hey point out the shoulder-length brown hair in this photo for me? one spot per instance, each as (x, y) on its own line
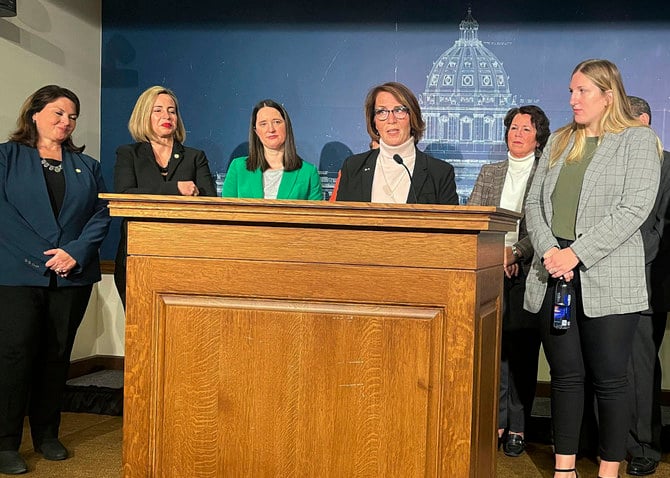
(256, 157)
(139, 124)
(26, 130)
(406, 98)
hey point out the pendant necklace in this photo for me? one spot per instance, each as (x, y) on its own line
(51, 167)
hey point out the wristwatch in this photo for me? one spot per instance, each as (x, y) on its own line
(516, 253)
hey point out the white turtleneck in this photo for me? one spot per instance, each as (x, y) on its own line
(391, 182)
(518, 172)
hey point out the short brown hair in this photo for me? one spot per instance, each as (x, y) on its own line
(537, 118)
(26, 130)
(139, 124)
(406, 98)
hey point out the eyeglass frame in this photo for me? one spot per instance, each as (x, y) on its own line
(399, 113)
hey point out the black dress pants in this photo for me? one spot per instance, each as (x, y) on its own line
(644, 377)
(520, 350)
(37, 330)
(600, 346)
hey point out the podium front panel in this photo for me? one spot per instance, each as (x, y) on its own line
(289, 341)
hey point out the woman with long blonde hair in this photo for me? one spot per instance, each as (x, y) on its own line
(595, 185)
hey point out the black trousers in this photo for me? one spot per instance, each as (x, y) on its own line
(520, 350)
(37, 331)
(600, 346)
(120, 263)
(644, 378)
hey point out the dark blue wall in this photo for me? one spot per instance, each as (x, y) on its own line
(320, 58)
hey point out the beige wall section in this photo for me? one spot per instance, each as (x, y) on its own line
(53, 42)
(59, 42)
(103, 330)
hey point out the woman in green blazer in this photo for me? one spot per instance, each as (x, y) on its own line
(273, 169)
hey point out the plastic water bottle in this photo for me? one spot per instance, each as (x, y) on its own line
(564, 297)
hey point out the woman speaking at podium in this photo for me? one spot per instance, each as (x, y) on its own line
(396, 172)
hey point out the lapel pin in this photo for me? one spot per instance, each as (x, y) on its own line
(77, 170)
(176, 155)
(366, 169)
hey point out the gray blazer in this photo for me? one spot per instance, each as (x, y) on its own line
(617, 195)
(488, 192)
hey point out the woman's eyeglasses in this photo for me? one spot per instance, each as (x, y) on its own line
(400, 112)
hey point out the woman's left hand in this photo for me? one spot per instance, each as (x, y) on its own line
(561, 263)
(511, 270)
(61, 262)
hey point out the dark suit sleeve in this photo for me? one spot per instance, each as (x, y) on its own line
(344, 184)
(203, 176)
(132, 175)
(16, 234)
(446, 186)
(652, 228)
(85, 248)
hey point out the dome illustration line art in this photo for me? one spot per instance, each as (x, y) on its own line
(464, 103)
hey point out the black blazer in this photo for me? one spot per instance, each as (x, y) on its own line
(433, 180)
(656, 238)
(136, 170)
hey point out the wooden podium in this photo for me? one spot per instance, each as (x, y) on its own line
(311, 339)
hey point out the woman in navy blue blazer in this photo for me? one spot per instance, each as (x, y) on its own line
(51, 226)
(158, 163)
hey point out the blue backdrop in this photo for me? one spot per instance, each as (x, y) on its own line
(319, 60)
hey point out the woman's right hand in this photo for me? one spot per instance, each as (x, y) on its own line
(560, 263)
(187, 188)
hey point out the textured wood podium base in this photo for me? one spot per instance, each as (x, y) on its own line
(298, 339)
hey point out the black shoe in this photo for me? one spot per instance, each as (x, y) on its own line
(514, 445)
(11, 463)
(52, 449)
(501, 439)
(641, 466)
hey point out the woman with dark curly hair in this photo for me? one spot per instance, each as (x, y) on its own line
(506, 184)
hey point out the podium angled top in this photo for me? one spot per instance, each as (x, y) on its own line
(147, 207)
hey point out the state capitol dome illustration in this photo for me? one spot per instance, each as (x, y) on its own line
(465, 101)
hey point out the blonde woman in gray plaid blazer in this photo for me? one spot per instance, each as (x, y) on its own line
(595, 185)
